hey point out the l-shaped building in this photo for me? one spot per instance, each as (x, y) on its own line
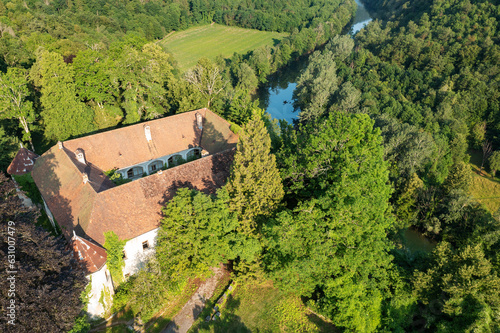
(193, 149)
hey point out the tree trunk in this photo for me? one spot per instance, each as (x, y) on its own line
(487, 150)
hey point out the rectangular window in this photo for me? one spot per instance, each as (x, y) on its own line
(145, 245)
(124, 255)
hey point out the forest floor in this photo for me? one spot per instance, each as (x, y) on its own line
(213, 40)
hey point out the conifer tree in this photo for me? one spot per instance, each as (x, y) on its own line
(255, 186)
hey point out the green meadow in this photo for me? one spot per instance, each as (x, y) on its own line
(212, 40)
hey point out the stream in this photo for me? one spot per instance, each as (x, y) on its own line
(276, 97)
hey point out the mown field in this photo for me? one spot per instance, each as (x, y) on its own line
(212, 40)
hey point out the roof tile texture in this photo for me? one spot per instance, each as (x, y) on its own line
(22, 163)
(134, 208)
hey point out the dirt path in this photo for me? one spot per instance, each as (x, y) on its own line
(183, 320)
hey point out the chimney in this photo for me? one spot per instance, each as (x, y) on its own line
(199, 120)
(147, 132)
(80, 156)
(85, 178)
(59, 143)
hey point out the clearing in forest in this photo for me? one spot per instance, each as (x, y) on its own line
(485, 188)
(212, 40)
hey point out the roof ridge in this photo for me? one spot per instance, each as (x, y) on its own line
(138, 124)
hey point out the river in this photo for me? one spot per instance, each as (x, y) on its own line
(276, 96)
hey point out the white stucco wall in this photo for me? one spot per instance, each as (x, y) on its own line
(101, 280)
(49, 214)
(136, 256)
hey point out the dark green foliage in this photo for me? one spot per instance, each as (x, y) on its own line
(47, 283)
(9, 145)
(494, 161)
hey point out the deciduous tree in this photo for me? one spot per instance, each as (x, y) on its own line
(63, 114)
(14, 103)
(332, 245)
(494, 162)
(460, 290)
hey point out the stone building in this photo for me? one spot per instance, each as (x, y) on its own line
(193, 149)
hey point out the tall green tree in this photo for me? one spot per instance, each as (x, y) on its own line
(207, 79)
(316, 85)
(332, 246)
(460, 292)
(142, 75)
(495, 162)
(197, 233)
(255, 186)
(14, 103)
(63, 114)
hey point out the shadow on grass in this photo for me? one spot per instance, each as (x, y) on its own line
(323, 326)
(227, 322)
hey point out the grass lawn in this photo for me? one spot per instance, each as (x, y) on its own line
(260, 307)
(485, 188)
(118, 323)
(212, 40)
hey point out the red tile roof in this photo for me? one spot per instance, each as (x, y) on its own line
(127, 146)
(91, 256)
(134, 208)
(22, 163)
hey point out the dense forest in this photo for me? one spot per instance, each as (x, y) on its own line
(387, 124)
(96, 65)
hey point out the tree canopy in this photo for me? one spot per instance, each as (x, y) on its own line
(47, 283)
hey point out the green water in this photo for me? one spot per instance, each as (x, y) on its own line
(415, 241)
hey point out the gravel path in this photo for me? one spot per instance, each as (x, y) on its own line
(183, 320)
